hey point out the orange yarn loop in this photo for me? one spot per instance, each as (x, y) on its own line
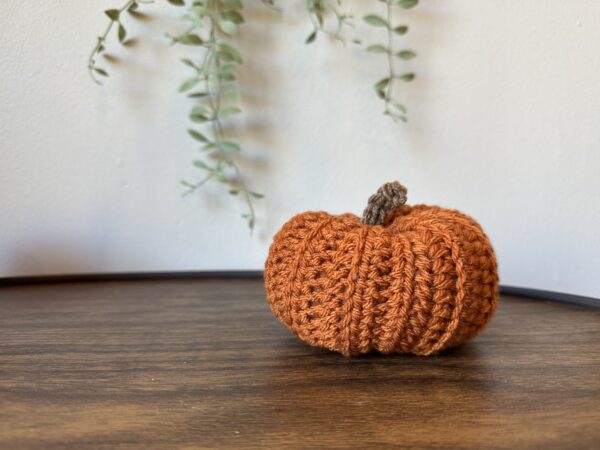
(423, 281)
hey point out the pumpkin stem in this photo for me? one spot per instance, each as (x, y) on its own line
(387, 198)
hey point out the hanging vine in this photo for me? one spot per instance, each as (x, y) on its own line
(212, 85)
(115, 16)
(384, 88)
(318, 10)
(212, 27)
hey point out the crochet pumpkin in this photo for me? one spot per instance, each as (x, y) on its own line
(404, 279)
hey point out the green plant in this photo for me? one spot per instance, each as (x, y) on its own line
(212, 27)
(318, 10)
(213, 85)
(115, 16)
(384, 88)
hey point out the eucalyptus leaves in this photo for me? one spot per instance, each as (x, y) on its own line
(212, 26)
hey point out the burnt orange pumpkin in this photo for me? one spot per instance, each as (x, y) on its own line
(405, 279)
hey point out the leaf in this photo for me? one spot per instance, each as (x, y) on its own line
(227, 27)
(233, 16)
(189, 84)
(219, 175)
(133, 7)
(311, 37)
(227, 68)
(234, 192)
(200, 118)
(177, 2)
(399, 106)
(198, 136)
(380, 87)
(189, 63)
(113, 14)
(200, 114)
(257, 195)
(208, 147)
(228, 111)
(382, 84)
(401, 29)
(186, 183)
(101, 71)
(229, 146)
(377, 48)
(189, 39)
(269, 3)
(235, 4)
(200, 110)
(122, 33)
(407, 76)
(406, 54)
(407, 4)
(227, 71)
(202, 165)
(396, 117)
(197, 94)
(375, 21)
(228, 77)
(232, 95)
(229, 53)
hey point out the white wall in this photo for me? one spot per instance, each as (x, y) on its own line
(505, 125)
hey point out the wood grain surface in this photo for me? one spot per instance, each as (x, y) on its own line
(203, 364)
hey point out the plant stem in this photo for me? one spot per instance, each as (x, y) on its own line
(100, 42)
(194, 187)
(316, 11)
(216, 107)
(392, 74)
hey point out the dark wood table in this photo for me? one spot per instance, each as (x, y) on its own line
(203, 364)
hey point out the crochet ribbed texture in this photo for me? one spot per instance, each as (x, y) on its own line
(407, 279)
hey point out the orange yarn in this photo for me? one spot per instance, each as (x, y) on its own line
(423, 281)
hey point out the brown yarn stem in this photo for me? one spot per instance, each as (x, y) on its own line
(387, 198)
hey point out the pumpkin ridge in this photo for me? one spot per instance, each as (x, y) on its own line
(387, 317)
(407, 299)
(472, 275)
(459, 299)
(449, 238)
(318, 301)
(351, 298)
(296, 266)
(365, 301)
(419, 313)
(276, 267)
(321, 300)
(377, 292)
